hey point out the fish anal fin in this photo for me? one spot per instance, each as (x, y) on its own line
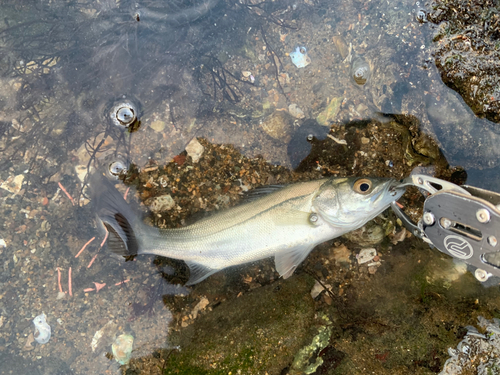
(198, 272)
(287, 260)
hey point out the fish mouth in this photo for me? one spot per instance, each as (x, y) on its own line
(395, 189)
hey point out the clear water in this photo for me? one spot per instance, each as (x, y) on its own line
(213, 69)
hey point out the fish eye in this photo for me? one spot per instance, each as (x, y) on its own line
(363, 186)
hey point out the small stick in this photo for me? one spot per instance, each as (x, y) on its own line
(69, 283)
(126, 193)
(59, 279)
(122, 282)
(105, 237)
(67, 194)
(84, 246)
(93, 258)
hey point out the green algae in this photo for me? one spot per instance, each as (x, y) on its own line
(307, 360)
(257, 332)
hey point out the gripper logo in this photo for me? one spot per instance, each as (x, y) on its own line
(458, 247)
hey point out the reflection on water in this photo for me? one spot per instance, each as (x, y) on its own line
(125, 86)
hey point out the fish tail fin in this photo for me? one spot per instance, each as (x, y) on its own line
(122, 223)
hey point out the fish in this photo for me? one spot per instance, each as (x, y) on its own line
(286, 222)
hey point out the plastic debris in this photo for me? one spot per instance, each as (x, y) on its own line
(42, 331)
(104, 336)
(299, 57)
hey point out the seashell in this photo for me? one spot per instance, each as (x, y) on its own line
(299, 57)
(124, 113)
(419, 13)
(117, 167)
(122, 348)
(360, 70)
(42, 331)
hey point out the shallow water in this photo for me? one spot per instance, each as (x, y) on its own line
(221, 71)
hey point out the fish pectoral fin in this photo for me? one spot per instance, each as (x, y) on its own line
(286, 217)
(198, 272)
(286, 261)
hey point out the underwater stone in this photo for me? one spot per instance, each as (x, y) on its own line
(195, 149)
(307, 360)
(476, 353)
(329, 114)
(370, 234)
(42, 332)
(279, 126)
(122, 348)
(295, 111)
(299, 57)
(162, 203)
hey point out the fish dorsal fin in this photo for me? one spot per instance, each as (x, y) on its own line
(287, 260)
(198, 272)
(260, 192)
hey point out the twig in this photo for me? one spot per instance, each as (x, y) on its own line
(67, 194)
(59, 279)
(69, 283)
(84, 246)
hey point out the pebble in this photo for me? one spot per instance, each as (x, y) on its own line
(199, 307)
(295, 111)
(316, 290)
(13, 184)
(366, 255)
(162, 203)
(158, 126)
(195, 150)
(279, 126)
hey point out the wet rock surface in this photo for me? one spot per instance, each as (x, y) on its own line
(257, 332)
(467, 51)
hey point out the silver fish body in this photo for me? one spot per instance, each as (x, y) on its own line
(286, 223)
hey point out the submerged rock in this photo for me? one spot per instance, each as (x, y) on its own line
(233, 340)
(279, 126)
(477, 353)
(467, 52)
